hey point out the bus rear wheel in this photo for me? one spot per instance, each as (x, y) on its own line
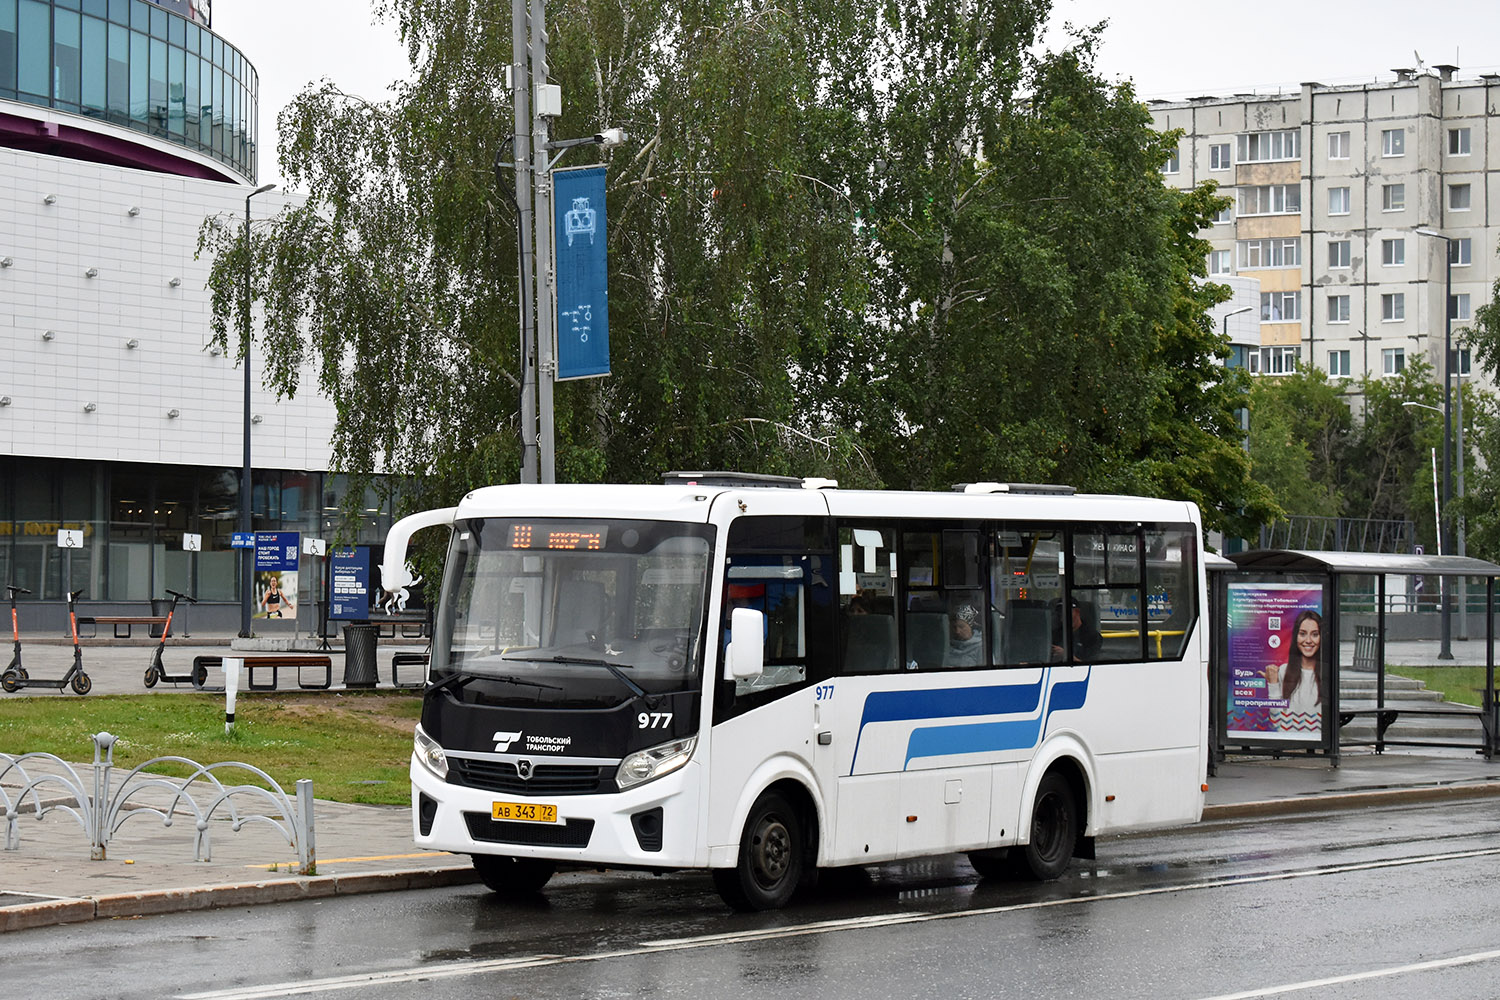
(1054, 832)
(513, 876)
(771, 858)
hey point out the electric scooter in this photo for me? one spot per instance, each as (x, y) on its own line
(15, 631)
(157, 671)
(14, 680)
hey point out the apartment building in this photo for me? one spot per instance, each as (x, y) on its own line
(1332, 191)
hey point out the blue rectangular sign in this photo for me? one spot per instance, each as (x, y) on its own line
(277, 550)
(242, 540)
(349, 584)
(582, 272)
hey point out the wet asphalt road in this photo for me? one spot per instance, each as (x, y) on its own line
(1327, 906)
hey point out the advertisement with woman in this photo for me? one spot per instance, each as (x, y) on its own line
(1277, 660)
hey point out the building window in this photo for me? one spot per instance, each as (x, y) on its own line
(1459, 251)
(1174, 162)
(1393, 252)
(1458, 197)
(1338, 201)
(1338, 364)
(1278, 307)
(1393, 307)
(1218, 156)
(1338, 308)
(1221, 262)
(1463, 362)
(1458, 142)
(1392, 360)
(1458, 307)
(1274, 360)
(1393, 142)
(1338, 145)
(1226, 214)
(1257, 147)
(1392, 197)
(1271, 199)
(1281, 252)
(1338, 254)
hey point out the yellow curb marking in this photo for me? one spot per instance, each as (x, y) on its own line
(376, 857)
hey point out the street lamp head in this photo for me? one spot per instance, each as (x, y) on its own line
(611, 137)
(1424, 231)
(261, 190)
(1236, 312)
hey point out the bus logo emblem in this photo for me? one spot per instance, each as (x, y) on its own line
(504, 740)
(523, 768)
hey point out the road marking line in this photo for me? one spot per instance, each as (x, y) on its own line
(1357, 977)
(456, 969)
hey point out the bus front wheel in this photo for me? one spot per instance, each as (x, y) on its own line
(771, 858)
(513, 876)
(1054, 832)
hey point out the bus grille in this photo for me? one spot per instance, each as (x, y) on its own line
(573, 832)
(546, 779)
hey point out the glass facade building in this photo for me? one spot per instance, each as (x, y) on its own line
(133, 64)
(133, 517)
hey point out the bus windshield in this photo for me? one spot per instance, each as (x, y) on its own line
(546, 612)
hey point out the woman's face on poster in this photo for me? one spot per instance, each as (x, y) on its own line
(1309, 638)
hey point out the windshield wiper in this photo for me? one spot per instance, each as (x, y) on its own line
(635, 688)
(458, 680)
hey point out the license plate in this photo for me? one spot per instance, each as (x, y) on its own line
(524, 812)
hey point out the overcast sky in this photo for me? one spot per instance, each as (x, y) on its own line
(1203, 49)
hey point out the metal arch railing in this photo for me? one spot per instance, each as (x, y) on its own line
(102, 812)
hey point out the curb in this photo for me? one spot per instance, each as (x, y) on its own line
(52, 912)
(1350, 800)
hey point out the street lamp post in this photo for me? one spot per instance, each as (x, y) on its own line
(247, 555)
(1446, 652)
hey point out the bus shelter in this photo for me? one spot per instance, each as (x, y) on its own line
(1282, 620)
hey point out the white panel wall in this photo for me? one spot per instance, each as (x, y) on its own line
(49, 382)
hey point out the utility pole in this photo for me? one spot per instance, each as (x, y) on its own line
(520, 79)
(542, 181)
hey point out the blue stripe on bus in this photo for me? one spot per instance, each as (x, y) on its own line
(990, 737)
(948, 703)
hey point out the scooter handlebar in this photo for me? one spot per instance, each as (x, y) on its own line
(13, 591)
(74, 595)
(185, 597)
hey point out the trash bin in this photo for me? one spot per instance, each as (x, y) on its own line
(159, 608)
(359, 656)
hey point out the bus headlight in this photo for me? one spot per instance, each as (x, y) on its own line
(650, 764)
(429, 753)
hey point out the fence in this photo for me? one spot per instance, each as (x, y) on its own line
(101, 807)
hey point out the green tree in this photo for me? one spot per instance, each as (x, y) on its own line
(882, 242)
(1300, 434)
(1390, 463)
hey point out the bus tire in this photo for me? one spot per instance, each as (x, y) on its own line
(510, 876)
(992, 864)
(1054, 832)
(770, 861)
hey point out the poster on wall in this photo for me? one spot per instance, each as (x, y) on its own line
(349, 584)
(1277, 663)
(276, 554)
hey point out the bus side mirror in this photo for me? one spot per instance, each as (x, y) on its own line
(746, 657)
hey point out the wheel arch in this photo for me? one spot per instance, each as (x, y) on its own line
(1064, 755)
(794, 783)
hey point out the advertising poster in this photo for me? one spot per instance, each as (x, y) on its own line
(276, 554)
(582, 266)
(1277, 662)
(349, 584)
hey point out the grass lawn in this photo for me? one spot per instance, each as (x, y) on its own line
(355, 746)
(1461, 684)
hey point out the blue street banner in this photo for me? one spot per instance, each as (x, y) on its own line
(277, 550)
(349, 584)
(242, 540)
(582, 272)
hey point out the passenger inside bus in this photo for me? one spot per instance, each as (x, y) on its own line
(1086, 639)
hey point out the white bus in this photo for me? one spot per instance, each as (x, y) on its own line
(765, 676)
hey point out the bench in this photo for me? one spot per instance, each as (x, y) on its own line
(272, 662)
(399, 660)
(156, 622)
(411, 626)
